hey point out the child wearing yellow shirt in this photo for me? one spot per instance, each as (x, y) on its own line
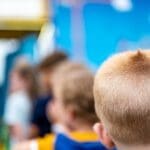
(73, 105)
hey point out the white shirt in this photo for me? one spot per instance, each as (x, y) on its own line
(18, 110)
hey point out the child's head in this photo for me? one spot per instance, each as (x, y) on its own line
(122, 98)
(47, 66)
(73, 96)
(23, 79)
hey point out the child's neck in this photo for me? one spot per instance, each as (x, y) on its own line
(80, 127)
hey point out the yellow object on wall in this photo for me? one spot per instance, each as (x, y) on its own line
(23, 15)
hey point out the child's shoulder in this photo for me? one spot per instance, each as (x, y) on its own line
(78, 140)
(73, 141)
(47, 142)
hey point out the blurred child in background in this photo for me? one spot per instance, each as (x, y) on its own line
(40, 125)
(23, 90)
(73, 101)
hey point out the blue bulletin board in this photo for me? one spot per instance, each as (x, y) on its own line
(104, 30)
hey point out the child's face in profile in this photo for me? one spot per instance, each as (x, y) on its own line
(44, 80)
(16, 82)
(56, 110)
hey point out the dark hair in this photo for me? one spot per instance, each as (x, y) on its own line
(52, 60)
(27, 73)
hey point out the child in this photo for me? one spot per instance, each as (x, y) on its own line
(23, 90)
(40, 125)
(74, 107)
(122, 101)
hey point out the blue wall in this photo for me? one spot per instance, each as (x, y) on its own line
(106, 30)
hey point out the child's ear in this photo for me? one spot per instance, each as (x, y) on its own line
(103, 135)
(71, 113)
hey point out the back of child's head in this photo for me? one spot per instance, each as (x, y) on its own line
(122, 97)
(73, 84)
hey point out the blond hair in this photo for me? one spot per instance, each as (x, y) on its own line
(122, 97)
(74, 84)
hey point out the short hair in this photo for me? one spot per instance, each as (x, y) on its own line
(122, 97)
(52, 60)
(74, 84)
(28, 74)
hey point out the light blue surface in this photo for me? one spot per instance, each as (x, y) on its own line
(106, 30)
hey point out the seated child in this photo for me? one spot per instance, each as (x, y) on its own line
(74, 105)
(122, 100)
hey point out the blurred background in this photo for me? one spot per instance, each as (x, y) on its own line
(86, 30)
